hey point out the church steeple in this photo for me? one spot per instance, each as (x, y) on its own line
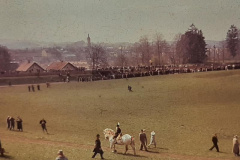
(89, 41)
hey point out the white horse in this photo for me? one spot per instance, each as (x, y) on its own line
(126, 140)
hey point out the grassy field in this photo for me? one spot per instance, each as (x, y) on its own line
(184, 110)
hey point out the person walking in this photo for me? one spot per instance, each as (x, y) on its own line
(235, 149)
(215, 143)
(143, 140)
(19, 123)
(97, 148)
(61, 156)
(29, 88)
(43, 124)
(12, 123)
(8, 122)
(152, 139)
(38, 87)
(33, 89)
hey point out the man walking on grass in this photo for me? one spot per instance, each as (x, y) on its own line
(215, 141)
(43, 124)
(97, 148)
(143, 140)
(8, 122)
(12, 123)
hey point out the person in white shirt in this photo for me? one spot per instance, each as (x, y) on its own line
(152, 139)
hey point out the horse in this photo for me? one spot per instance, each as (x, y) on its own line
(126, 140)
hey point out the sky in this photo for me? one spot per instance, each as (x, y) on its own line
(113, 21)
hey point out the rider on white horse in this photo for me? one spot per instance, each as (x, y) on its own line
(118, 132)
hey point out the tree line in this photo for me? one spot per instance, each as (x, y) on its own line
(189, 47)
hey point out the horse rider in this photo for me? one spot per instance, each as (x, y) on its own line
(118, 132)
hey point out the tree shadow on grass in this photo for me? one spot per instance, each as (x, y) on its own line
(6, 157)
(131, 155)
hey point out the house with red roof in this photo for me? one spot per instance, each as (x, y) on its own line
(30, 67)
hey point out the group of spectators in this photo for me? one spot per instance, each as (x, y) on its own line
(11, 123)
(141, 71)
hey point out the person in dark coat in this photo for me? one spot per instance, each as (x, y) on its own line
(33, 89)
(97, 148)
(38, 87)
(43, 124)
(117, 133)
(8, 122)
(29, 88)
(215, 141)
(12, 123)
(19, 123)
(143, 140)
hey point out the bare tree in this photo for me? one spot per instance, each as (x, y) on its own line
(158, 45)
(223, 48)
(122, 59)
(144, 49)
(97, 56)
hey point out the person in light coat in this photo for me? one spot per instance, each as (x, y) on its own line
(235, 149)
(152, 139)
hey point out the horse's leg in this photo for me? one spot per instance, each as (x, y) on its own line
(126, 149)
(133, 147)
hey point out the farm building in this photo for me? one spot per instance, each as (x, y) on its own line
(81, 64)
(30, 67)
(61, 66)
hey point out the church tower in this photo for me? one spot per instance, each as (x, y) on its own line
(89, 41)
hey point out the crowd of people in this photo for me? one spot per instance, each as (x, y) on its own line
(142, 71)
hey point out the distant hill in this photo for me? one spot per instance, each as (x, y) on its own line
(23, 44)
(211, 43)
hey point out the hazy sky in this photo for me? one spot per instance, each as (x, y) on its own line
(114, 20)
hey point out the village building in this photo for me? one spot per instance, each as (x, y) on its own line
(61, 66)
(81, 64)
(69, 57)
(30, 67)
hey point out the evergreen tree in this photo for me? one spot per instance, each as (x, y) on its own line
(4, 59)
(232, 40)
(192, 46)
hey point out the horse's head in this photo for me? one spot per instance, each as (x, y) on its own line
(108, 133)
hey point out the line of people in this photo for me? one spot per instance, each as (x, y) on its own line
(33, 88)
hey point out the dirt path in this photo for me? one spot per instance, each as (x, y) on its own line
(149, 154)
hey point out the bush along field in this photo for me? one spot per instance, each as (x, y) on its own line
(184, 110)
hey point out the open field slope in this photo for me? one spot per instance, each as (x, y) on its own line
(184, 110)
